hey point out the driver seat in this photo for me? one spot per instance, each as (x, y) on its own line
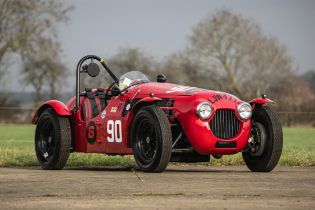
(90, 107)
(100, 98)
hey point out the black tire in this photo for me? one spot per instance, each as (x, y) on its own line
(52, 140)
(152, 139)
(272, 132)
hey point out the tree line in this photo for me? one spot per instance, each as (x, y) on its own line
(229, 52)
(225, 51)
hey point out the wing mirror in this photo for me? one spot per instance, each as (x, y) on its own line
(161, 78)
(115, 90)
(92, 69)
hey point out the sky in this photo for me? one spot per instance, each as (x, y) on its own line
(162, 27)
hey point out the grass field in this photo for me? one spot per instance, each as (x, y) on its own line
(17, 149)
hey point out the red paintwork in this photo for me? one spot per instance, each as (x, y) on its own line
(260, 101)
(60, 108)
(148, 100)
(184, 110)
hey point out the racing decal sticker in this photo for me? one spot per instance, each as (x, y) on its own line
(218, 97)
(128, 106)
(103, 115)
(185, 89)
(125, 110)
(114, 131)
(179, 89)
(91, 132)
(113, 109)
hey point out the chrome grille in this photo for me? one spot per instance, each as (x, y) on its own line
(224, 124)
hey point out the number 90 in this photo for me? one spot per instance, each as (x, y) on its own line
(114, 131)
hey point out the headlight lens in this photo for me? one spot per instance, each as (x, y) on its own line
(244, 111)
(204, 110)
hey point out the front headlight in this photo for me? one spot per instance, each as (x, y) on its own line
(244, 111)
(204, 110)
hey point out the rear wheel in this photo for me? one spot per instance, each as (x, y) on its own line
(52, 140)
(152, 139)
(265, 145)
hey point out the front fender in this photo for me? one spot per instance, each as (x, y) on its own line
(146, 100)
(60, 108)
(260, 101)
(142, 102)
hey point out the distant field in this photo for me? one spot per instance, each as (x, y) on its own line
(17, 149)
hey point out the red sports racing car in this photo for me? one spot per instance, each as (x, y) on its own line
(157, 122)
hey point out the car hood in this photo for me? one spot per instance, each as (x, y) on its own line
(169, 89)
(190, 95)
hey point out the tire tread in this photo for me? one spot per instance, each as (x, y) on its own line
(268, 161)
(63, 131)
(166, 138)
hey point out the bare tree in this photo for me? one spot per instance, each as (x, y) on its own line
(44, 71)
(126, 59)
(181, 68)
(23, 22)
(238, 55)
(27, 28)
(131, 59)
(293, 93)
(309, 77)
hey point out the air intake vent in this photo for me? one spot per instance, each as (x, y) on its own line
(224, 124)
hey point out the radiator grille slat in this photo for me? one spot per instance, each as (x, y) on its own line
(224, 124)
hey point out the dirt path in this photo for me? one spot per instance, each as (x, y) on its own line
(180, 187)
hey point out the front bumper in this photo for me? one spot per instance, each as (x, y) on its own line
(203, 140)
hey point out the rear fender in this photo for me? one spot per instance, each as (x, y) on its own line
(60, 108)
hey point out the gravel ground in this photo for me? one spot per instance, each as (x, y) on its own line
(179, 187)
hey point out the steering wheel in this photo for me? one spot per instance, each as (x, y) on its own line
(107, 91)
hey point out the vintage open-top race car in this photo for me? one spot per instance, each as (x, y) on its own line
(158, 122)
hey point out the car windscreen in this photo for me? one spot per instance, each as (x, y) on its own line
(132, 78)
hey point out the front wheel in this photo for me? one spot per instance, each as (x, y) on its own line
(52, 140)
(265, 144)
(152, 139)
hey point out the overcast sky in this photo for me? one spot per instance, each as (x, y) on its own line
(162, 27)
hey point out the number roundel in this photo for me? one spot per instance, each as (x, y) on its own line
(91, 132)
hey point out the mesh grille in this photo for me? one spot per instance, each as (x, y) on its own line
(224, 124)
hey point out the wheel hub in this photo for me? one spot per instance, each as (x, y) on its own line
(257, 140)
(46, 143)
(45, 154)
(148, 140)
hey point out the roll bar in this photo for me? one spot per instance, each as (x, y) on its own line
(78, 71)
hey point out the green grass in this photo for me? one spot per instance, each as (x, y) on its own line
(17, 149)
(299, 149)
